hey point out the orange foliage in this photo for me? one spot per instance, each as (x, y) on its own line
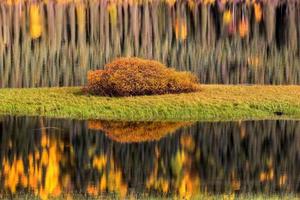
(243, 27)
(255, 61)
(180, 29)
(171, 2)
(266, 176)
(282, 180)
(135, 76)
(257, 12)
(135, 131)
(207, 2)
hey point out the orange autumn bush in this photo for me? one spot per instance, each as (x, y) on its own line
(136, 76)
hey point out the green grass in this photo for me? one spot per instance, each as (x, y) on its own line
(213, 102)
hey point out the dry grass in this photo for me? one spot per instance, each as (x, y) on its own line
(136, 76)
(214, 102)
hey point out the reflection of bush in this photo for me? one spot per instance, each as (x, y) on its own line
(135, 131)
(135, 76)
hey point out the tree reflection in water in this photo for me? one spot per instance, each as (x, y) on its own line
(53, 157)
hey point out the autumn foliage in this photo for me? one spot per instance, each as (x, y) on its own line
(135, 76)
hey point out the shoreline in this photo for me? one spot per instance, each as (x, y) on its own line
(212, 103)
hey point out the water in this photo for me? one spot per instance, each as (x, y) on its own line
(54, 157)
(55, 43)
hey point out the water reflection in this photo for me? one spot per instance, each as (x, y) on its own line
(51, 157)
(135, 131)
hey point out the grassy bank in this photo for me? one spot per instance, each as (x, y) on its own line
(214, 102)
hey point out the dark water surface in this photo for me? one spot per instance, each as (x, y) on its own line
(53, 157)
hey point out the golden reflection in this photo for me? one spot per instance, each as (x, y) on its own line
(135, 131)
(282, 180)
(41, 171)
(185, 182)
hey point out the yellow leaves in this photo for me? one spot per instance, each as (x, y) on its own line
(257, 12)
(191, 4)
(35, 21)
(115, 183)
(229, 196)
(20, 166)
(189, 186)
(171, 2)
(51, 179)
(177, 162)
(24, 180)
(44, 140)
(207, 2)
(112, 10)
(164, 186)
(159, 184)
(99, 162)
(180, 29)
(103, 183)
(235, 184)
(187, 141)
(263, 176)
(45, 158)
(92, 190)
(52, 171)
(13, 173)
(243, 27)
(13, 2)
(227, 17)
(223, 1)
(282, 180)
(80, 13)
(12, 180)
(63, 1)
(254, 61)
(266, 176)
(33, 178)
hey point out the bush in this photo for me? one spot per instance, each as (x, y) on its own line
(135, 76)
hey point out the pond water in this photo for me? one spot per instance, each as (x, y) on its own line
(54, 157)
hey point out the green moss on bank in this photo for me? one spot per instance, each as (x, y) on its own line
(214, 102)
